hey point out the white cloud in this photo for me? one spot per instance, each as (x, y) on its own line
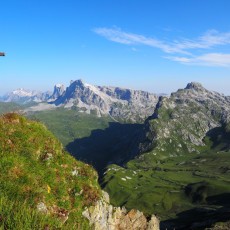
(117, 35)
(208, 40)
(184, 47)
(210, 59)
(179, 59)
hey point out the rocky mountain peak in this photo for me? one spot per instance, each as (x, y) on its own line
(78, 82)
(193, 89)
(23, 92)
(59, 85)
(194, 111)
(76, 87)
(196, 92)
(59, 89)
(195, 86)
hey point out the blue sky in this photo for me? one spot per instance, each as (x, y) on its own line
(154, 45)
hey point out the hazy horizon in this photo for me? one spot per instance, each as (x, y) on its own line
(66, 85)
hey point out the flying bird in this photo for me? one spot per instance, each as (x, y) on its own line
(2, 54)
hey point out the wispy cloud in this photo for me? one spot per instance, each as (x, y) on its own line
(119, 36)
(210, 59)
(210, 39)
(183, 46)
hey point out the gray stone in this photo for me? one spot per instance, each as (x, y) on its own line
(104, 216)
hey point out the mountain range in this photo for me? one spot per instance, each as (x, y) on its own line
(119, 103)
(23, 96)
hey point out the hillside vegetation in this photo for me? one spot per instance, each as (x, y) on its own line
(42, 186)
(69, 124)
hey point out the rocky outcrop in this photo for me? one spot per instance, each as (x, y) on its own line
(104, 216)
(59, 89)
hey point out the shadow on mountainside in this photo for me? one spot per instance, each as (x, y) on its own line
(115, 144)
(220, 137)
(217, 209)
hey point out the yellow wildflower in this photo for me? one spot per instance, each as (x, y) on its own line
(48, 189)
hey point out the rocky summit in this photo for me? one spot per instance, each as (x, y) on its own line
(59, 89)
(181, 121)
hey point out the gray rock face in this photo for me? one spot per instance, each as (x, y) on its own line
(104, 216)
(119, 103)
(181, 121)
(59, 89)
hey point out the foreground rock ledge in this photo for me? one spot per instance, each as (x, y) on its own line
(104, 216)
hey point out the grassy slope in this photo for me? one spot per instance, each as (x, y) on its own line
(34, 169)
